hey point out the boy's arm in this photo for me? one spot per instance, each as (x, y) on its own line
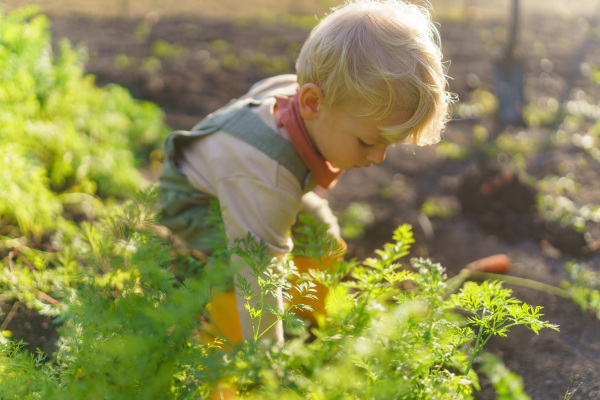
(267, 212)
(256, 193)
(318, 206)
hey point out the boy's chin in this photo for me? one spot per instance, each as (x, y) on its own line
(346, 167)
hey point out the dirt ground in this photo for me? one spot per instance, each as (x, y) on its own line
(559, 47)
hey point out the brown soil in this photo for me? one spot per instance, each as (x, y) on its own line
(558, 52)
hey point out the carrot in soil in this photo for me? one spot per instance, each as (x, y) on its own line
(497, 263)
(593, 246)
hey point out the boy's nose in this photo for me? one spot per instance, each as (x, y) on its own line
(377, 155)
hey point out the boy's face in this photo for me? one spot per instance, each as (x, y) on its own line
(348, 138)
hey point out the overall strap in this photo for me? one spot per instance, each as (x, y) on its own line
(238, 120)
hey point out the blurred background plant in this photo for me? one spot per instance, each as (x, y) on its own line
(64, 141)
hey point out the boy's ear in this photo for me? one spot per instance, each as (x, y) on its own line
(310, 101)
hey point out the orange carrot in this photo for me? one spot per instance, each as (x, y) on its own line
(497, 263)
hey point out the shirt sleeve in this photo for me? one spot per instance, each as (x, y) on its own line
(257, 195)
(266, 211)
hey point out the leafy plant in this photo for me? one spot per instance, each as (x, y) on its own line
(481, 103)
(436, 208)
(128, 323)
(356, 218)
(566, 211)
(167, 51)
(59, 133)
(584, 287)
(26, 197)
(542, 111)
(452, 151)
(130, 328)
(494, 312)
(508, 385)
(256, 256)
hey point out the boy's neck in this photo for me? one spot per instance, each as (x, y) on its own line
(309, 130)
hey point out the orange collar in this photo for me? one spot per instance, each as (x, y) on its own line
(324, 172)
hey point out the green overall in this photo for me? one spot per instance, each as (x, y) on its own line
(184, 209)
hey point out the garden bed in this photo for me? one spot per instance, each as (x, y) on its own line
(190, 65)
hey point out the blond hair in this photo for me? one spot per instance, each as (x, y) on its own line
(385, 53)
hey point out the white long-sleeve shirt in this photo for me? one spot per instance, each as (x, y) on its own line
(255, 192)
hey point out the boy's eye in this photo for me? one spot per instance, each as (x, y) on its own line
(365, 144)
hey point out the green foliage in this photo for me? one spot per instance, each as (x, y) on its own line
(559, 185)
(433, 208)
(481, 103)
(22, 370)
(452, 150)
(494, 312)
(129, 305)
(26, 196)
(355, 220)
(566, 211)
(167, 51)
(515, 144)
(58, 131)
(130, 328)
(271, 65)
(584, 287)
(508, 385)
(312, 239)
(256, 256)
(395, 188)
(142, 31)
(268, 17)
(123, 61)
(541, 111)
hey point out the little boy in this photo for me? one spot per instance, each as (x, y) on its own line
(369, 76)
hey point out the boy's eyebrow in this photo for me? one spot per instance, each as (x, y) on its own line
(377, 138)
(391, 138)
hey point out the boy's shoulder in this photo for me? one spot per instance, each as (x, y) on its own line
(276, 85)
